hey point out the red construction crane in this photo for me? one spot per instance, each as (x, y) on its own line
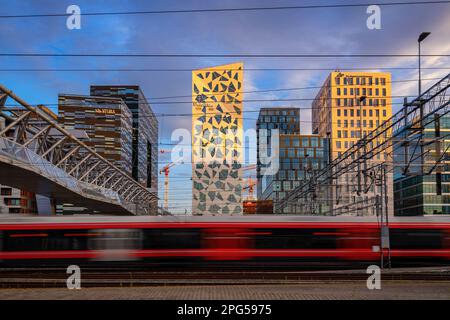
(250, 182)
(166, 170)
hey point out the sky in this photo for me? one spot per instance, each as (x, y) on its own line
(300, 31)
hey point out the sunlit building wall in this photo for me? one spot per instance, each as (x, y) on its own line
(348, 106)
(217, 139)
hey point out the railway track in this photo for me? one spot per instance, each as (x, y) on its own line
(56, 277)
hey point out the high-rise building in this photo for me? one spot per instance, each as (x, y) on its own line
(217, 134)
(106, 121)
(284, 119)
(145, 133)
(299, 156)
(347, 107)
(425, 189)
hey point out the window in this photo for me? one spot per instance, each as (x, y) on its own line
(5, 191)
(286, 164)
(305, 142)
(314, 142)
(277, 186)
(286, 185)
(319, 153)
(291, 153)
(338, 144)
(291, 174)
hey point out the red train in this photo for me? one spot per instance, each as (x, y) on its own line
(268, 239)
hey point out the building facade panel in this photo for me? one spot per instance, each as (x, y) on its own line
(217, 139)
(106, 121)
(145, 133)
(420, 192)
(300, 156)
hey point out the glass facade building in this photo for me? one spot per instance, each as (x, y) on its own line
(106, 121)
(299, 156)
(284, 119)
(144, 134)
(425, 189)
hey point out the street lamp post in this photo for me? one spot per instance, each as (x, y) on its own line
(422, 37)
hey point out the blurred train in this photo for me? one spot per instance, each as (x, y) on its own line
(257, 240)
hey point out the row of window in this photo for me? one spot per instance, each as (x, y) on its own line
(357, 113)
(305, 141)
(351, 124)
(363, 91)
(279, 112)
(348, 102)
(278, 119)
(351, 80)
(289, 127)
(301, 152)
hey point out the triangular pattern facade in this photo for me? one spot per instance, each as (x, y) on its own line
(217, 135)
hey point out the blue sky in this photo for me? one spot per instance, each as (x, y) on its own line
(332, 30)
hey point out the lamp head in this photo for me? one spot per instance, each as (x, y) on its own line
(423, 35)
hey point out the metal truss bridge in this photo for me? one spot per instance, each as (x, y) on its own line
(40, 156)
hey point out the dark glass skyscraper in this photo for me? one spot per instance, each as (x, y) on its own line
(106, 121)
(285, 120)
(145, 132)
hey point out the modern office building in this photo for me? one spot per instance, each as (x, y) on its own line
(299, 157)
(425, 189)
(14, 200)
(106, 121)
(145, 133)
(217, 139)
(284, 119)
(347, 107)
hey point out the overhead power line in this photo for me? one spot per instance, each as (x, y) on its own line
(191, 69)
(224, 10)
(216, 55)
